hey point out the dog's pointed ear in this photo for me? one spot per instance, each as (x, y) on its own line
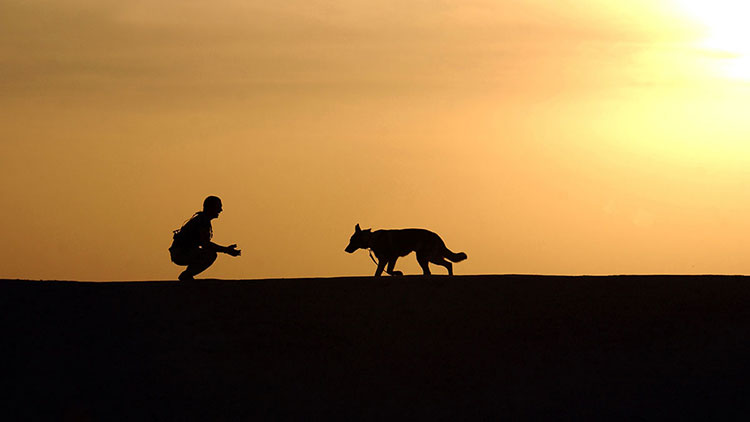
(357, 229)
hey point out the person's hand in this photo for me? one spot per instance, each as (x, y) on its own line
(232, 250)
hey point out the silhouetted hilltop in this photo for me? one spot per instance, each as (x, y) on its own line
(393, 348)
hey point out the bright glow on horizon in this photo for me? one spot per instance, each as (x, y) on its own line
(726, 33)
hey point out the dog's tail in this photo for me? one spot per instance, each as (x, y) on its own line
(455, 257)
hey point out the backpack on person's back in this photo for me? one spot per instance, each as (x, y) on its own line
(187, 236)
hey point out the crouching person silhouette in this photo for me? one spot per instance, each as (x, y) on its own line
(192, 244)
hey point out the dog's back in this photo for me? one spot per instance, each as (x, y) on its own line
(401, 242)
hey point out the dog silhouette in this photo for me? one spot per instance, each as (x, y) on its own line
(389, 245)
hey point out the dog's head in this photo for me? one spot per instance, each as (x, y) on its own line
(359, 239)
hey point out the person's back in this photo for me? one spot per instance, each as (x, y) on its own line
(191, 244)
(191, 233)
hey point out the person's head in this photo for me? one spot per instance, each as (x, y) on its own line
(212, 206)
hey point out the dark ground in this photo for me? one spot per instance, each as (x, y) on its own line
(435, 348)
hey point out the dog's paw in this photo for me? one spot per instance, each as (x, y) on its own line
(397, 273)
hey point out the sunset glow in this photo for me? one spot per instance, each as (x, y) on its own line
(610, 137)
(725, 32)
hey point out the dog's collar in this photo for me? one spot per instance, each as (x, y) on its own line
(369, 248)
(369, 240)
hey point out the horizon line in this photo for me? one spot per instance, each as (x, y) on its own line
(410, 276)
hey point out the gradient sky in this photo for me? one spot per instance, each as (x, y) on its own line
(586, 137)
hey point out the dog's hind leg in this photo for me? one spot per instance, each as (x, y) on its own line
(424, 262)
(443, 262)
(391, 265)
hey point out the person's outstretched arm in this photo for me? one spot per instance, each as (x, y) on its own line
(206, 243)
(229, 250)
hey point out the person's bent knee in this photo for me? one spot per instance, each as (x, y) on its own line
(208, 256)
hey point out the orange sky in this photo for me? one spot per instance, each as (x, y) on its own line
(590, 137)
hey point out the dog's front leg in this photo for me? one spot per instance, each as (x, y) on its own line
(381, 266)
(391, 266)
